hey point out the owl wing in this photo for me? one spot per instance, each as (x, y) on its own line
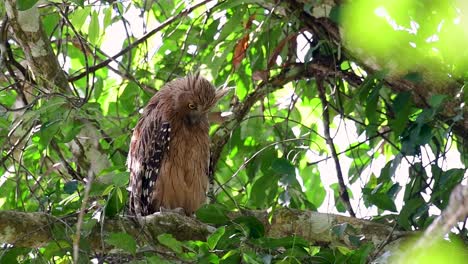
(210, 173)
(150, 142)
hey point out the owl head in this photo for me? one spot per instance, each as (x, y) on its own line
(193, 97)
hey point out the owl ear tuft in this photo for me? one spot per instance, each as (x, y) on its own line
(220, 93)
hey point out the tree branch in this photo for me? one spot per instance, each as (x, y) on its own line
(35, 229)
(326, 129)
(295, 71)
(431, 83)
(30, 35)
(169, 21)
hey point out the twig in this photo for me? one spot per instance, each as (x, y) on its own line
(138, 42)
(456, 210)
(326, 129)
(240, 111)
(292, 72)
(246, 162)
(76, 241)
(386, 241)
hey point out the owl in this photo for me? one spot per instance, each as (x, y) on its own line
(169, 155)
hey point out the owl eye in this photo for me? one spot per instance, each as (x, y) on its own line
(191, 106)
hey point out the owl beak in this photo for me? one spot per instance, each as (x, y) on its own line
(194, 117)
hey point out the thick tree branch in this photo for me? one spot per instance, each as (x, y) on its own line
(47, 73)
(28, 30)
(35, 229)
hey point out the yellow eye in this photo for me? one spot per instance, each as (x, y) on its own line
(191, 106)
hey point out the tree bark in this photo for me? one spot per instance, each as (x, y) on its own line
(28, 31)
(49, 76)
(35, 230)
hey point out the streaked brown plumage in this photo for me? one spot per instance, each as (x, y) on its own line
(169, 150)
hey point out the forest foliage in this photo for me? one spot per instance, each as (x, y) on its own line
(367, 123)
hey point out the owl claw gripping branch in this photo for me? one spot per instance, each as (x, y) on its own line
(170, 148)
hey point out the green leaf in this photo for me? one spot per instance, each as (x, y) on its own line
(127, 98)
(315, 190)
(292, 255)
(50, 22)
(250, 258)
(444, 182)
(88, 226)
(253, 167)
(266, 159)
(414, 77)
(241, 88)
(232, 4)
(369, 83)
(382, 201)
(214, 238)
(308, 8)
(79, 16)
(116, 201)
(23, 5)
(336, 194)
(356, 240)
(208, 259)
(436, 100)
(107, 17)
(70, 187)
(98, 189)
(286, 242)
(52, 249)
(283, 166)
(405, 219)
(121, 179)
(123, 241)
(79, 3)
(69, 129)
(169, 241)
(48, 130)
(389, 169)
(371, 109)
(264, 190)
(402, 108)
(358, 152)
(231, 257)
(255, 228)
(12, 255)
(344, 250)
(336, 13)
(155, 259)
(361, 255)
(98, 87)
(49, 108)
(7, 98)
(212, 214)
(93, 29)
(230, 26)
